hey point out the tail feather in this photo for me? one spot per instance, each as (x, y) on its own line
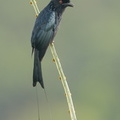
(37, 71)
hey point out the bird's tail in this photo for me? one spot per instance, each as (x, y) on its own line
(37, 71)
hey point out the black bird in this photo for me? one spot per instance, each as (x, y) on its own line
(44, 30)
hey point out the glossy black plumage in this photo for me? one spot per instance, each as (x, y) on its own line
(43, 33)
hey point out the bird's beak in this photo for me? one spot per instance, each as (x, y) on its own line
(68, 4)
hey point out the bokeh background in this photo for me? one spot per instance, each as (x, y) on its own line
(88, 45)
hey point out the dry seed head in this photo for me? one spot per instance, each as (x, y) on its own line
(31, 2)
(53, 60)
(59, 78)
(36, 15)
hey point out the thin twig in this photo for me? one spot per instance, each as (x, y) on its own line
(64, 82)
(60, 71)
(34, 4)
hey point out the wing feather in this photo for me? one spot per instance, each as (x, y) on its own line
(43, 31)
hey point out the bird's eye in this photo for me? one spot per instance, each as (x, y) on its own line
(60, 1)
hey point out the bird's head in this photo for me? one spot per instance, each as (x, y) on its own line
(64, 3)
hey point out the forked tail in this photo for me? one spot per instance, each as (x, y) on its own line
(37, 71)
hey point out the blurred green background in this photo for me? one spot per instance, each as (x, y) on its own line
(88, 45)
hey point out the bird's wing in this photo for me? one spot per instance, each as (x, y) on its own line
(43, 32)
